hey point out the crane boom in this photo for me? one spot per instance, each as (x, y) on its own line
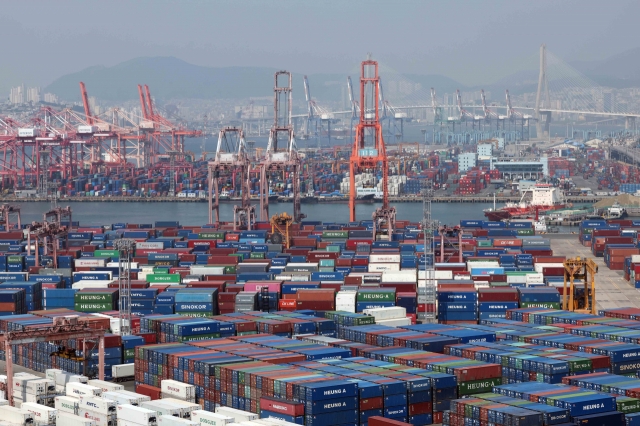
(85, 102)
(143, 105)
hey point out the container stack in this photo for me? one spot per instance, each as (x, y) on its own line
(143, 301)
(494, 302)
(96, 300)
(12, 301)
(55, 298)
(30, 388)
(372, 298)
(457, 306)
(246, 301)
(99, 410)
(197, 302)
(544, 297)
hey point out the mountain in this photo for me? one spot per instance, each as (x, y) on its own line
(171, 78)
(167, 77)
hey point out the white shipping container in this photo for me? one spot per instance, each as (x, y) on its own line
(41, 386)
(68, 419)
(483, 264)
(186, 406)
(539, 267)
(122, 370)
(207, 418)
(99, 405)
(41, 413)
(150, 245)
(381, 267)
(162, 408)
(51, 373)
(516, 279)
(15, 415)
(386, 313)
(439, 275)
(178, 389)
(138, 415)
(67, 404)
(87, 129)
(238, 415)
(635, 258)
(27, 133)
(90, 261)
(206, 270)
(134, 265)
(384, 258)
(394, 322)
(400, 277)
(126, 397)
(79, 285)
(101, 419)
(80, 389)
(166, 420)
(535, 278)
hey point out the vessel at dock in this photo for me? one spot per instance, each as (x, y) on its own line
(543, 199)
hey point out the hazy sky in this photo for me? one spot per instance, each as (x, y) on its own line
(472, 41)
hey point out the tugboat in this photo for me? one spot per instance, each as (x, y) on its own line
(616, 211)
(544, 198)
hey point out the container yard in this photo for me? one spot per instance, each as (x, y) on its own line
(226, 326)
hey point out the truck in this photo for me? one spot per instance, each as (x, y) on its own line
(122, 372)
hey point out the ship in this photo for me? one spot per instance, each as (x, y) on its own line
(544, 198)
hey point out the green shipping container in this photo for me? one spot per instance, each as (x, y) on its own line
(376, 296)
(485, 243)
(627, 405)
(15, 259)
(94, 297)
(164, 278)
(106, 253)
(211, 236)
(229, 270)
(526, 231)
(333, 249)
(478, 386)
(93, 307)
(327, 262)
(256, 255)
(335, 234)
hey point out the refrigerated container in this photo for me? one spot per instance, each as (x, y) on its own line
(99, 405)
(67, 404)
(68, 419)
(16, 415)
(80, 389)
(139, 415)
(106, 386)
(41, 413)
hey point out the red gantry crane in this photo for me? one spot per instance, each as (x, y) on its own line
(369, 151)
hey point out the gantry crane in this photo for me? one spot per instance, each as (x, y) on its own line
(354, 107)
(10, 217)
(277, 160)
(579, 297)
(231, 157)
(369, 151)
(63, 329)
(48, 236)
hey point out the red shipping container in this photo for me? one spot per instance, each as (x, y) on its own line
(150, 391)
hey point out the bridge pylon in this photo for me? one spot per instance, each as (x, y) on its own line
(543, 85)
